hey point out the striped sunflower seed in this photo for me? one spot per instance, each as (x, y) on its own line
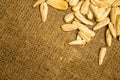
(112, 30)
(102, 55)
(73, 2)
(85, 7)
(108, 37)
(69, 27)
(101, 24)
(82, 18)
(58, 4)
(44, 11)
(69, 17)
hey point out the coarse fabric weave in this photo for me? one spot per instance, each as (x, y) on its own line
(33, 50)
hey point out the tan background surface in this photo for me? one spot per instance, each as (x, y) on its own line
(33, 50)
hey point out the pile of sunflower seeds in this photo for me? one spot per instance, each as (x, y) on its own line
(87, 13)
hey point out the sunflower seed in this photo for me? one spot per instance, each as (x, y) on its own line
(76, 42)
(69, 17)
(102, 55)
(110, 2)
(104, 15)
(101, 3)
(97, 11)
(82, 18)
(110, 25)
(101, 24)
(90, 15)
(38, 2)
(78, 6)
(118, 25)
(73, 2)
(116, 3)
(108, 37)
(44, 11)
(69, 27)
(113, 14)
(58, 4)
(85, 7)
(85, 29)
(84, 36)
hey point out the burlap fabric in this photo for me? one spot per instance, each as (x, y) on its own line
(33, 50)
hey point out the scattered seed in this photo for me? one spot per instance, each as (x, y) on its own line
(73, 2)
(58, 4)
(90, 15)
(84, 36)
(85, 7)
(102, 55)
(108, 37)
(110, 25)
(78, 6)
(69, 17)
(76, 42)
(82, 18)
(104, 15)
(118, 25)
(100, 3)
(116, 3)
(83, 15)
(101, 24)
(44, 11)
(97, 11)
(69, 27)
(85, 29)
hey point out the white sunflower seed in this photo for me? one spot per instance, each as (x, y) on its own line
(69, 17)
(104, 15)
(69, 27)
(110, 2)
(101, 3)
(58, 4)
(73, 2)
(116, 3)
(82, 18)
(114, 12)
(85, 7)
(85, 29)
(84, 36)
(90, 15)
(102, 55)
(110, 25)
(77, 42)
(44, 11)
(97, 11)
(108, 37)
(78, 6)
(118, 25)
(101, 24)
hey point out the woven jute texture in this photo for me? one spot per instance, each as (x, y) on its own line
(33, 50)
